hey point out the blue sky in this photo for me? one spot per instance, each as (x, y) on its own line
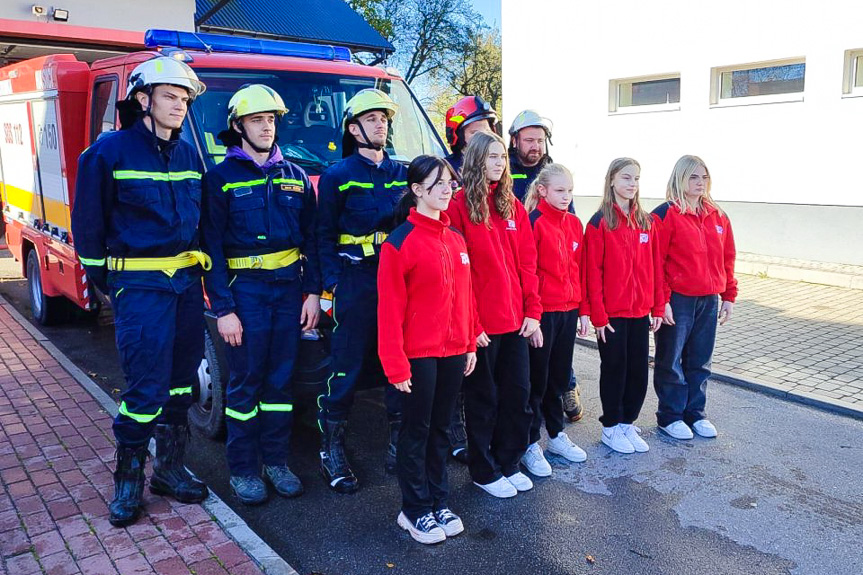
(490, 10)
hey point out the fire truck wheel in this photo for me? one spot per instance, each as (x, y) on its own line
(207, 414)
(46, 310)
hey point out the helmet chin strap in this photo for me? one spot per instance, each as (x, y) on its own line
(245, 138)
(366, 143)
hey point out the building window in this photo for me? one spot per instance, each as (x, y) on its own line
(644, 94)
(852, 82)
(760, 83)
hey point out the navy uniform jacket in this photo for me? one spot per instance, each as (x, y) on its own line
(356, 197)
(522, 176)
(134, 200)
(455, 160)
(250, 210)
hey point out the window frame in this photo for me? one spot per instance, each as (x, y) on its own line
(717, 101)
(614, 107)
(849, 90)
(103, 79)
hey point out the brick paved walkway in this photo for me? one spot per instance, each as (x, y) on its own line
(806, 337)
(56, 447)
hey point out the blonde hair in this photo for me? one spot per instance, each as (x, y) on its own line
(678, 183)
(475, 187)
(636, 212)
(531, 198)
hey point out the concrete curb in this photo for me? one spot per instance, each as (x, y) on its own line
(807, 398)
(264, 555)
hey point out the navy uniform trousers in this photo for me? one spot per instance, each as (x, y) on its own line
(259, 401)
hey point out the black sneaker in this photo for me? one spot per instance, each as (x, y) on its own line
(449, 522)
(425, 529)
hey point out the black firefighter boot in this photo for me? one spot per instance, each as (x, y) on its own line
(334, 462)
(390, 457)
(128, 485)
(170, 476)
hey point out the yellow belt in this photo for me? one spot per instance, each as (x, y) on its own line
(368, 242)
(272, 261)
(168, 265)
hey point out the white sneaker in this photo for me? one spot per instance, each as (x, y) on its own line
(425, 530)
(678, 430)
(520, 481)
(500, 488)
(632, 434)
(562, 445)
(616, 439)
(535, 462)
(704, 428)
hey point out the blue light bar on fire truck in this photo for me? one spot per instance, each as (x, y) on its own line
(243, 45)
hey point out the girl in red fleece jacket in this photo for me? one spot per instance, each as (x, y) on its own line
(503, 269)
(697, 252)
(624, 285)
(426, 341)
(559, 246)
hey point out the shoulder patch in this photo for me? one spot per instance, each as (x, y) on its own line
(595, 220)
(534, 215)
(662, 210)
(399, 235)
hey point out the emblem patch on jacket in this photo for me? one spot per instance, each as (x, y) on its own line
(292, 188)
(643, 238)
(510, 225)
(240, 192)
(574, 246)
(464, 259)
(719, 229)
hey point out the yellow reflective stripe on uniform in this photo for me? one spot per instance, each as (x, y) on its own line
(158, 176)
(247, 184)
(395, 183)
(241, 416)
(139, 417)
(376, 238)
(181, 391)
(288, 181)
(346, 185)
(276, 406)
(92, 262)
(518, 176)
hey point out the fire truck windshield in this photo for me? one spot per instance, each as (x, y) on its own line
(310, 133)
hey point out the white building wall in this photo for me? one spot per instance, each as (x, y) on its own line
(785, 172)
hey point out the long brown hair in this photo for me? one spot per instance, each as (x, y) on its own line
(636, 213)
(475, 187)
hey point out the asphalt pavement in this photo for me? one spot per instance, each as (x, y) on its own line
(778, 492)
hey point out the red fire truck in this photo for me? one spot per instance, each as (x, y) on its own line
(53, 107)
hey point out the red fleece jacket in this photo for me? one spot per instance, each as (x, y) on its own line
(697, 252)
(559, 252)
(503, 266)
(624, 273)
(425, 300)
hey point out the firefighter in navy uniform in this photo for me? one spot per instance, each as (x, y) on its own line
(463, 121)
(529, 137)
(258, 226)
(135, 225)
(355, 214)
